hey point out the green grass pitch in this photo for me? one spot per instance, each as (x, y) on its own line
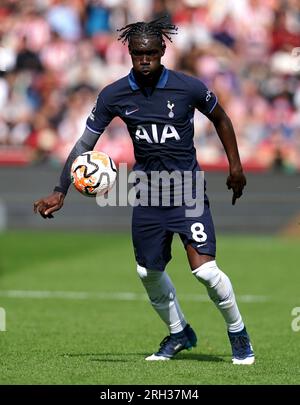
(76, 312)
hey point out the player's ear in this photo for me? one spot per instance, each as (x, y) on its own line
(163, 48)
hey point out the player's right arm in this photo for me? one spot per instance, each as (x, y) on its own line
(99, 118)
(47, 205)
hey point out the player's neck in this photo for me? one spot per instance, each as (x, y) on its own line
(150, 81)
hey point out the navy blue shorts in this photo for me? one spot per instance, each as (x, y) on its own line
(153, 229)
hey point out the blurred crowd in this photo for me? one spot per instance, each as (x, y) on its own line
(55, 56)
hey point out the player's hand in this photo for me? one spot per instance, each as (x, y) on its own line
(236, 181)
(46, 206)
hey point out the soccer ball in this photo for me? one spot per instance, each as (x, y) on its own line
(93, 173)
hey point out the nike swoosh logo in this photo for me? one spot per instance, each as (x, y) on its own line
(202, 244)
(130, 112)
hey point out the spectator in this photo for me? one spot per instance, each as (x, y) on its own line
(51, 49)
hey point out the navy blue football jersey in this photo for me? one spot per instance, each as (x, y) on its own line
(160, 123)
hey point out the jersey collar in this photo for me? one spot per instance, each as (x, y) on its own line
(160, 84)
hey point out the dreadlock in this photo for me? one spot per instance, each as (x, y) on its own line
(160, 28)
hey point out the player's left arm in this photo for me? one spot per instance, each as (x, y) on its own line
(236, 179)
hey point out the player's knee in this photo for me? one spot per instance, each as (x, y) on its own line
(148, 275)
(158, 286)
(142, 271)
(208, 273)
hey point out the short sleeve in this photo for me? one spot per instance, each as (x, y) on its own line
(99, 117)
(204, 99)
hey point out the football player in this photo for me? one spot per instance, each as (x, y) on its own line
(157, 105)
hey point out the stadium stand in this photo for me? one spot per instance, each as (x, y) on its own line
(56, 56)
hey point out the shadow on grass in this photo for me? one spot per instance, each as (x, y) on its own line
(201, 357)
(120, 357)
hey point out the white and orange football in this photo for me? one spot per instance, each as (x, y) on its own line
(93, 173)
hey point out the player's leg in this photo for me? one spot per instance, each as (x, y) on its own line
(199, 240)
(152, 246)
(219, 287)
(162, 295)
(221, 292)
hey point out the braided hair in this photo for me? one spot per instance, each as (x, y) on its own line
(160, 28)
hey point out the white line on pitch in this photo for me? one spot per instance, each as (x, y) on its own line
(115, 296)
